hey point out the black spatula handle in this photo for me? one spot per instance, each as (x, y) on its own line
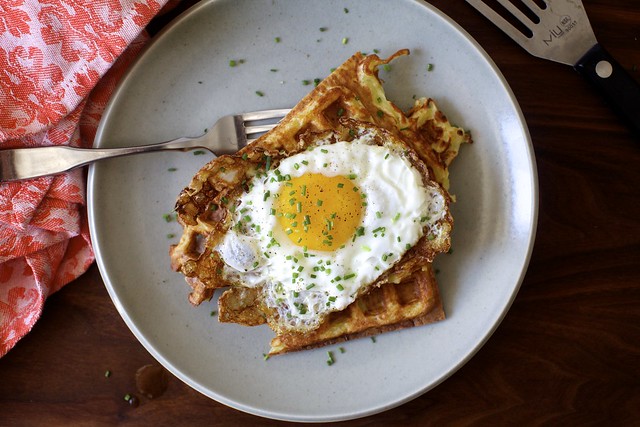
(620, 90)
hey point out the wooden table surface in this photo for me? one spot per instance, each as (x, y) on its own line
(568, 351)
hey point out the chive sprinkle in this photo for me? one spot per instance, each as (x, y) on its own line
(330, 360)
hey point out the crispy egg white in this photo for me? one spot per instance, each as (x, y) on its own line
(326, 223)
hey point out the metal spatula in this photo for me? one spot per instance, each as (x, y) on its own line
(562, 33)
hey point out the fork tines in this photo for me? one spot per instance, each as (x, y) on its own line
(261, 116)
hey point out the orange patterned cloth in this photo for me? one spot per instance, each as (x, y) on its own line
(59, 62)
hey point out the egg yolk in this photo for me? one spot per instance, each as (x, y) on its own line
(320, 212)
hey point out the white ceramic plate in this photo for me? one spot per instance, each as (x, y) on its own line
(184, 82)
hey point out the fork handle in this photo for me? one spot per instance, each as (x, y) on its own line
(24, 163)
(613, 82)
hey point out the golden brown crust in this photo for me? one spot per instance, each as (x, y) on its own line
(412, 302)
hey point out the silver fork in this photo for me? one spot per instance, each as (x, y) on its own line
(228, 135)
(561, 32)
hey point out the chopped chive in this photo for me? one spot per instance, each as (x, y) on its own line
(330, 360)
(380, 113)
(277, 39)
(430, 67)
(107, 373)
(198, 152)
(259, 93)
(172, 169)
(319, 202)
(233, 63)
(345, 40)
(340, 287)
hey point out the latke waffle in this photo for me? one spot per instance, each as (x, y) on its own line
(351, 95)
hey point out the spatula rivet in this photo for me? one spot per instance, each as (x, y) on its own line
(604, 69)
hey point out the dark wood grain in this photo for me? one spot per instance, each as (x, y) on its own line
(568, 351)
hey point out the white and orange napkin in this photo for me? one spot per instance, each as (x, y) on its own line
(59, 63)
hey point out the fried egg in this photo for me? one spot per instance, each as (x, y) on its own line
(324, 224)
